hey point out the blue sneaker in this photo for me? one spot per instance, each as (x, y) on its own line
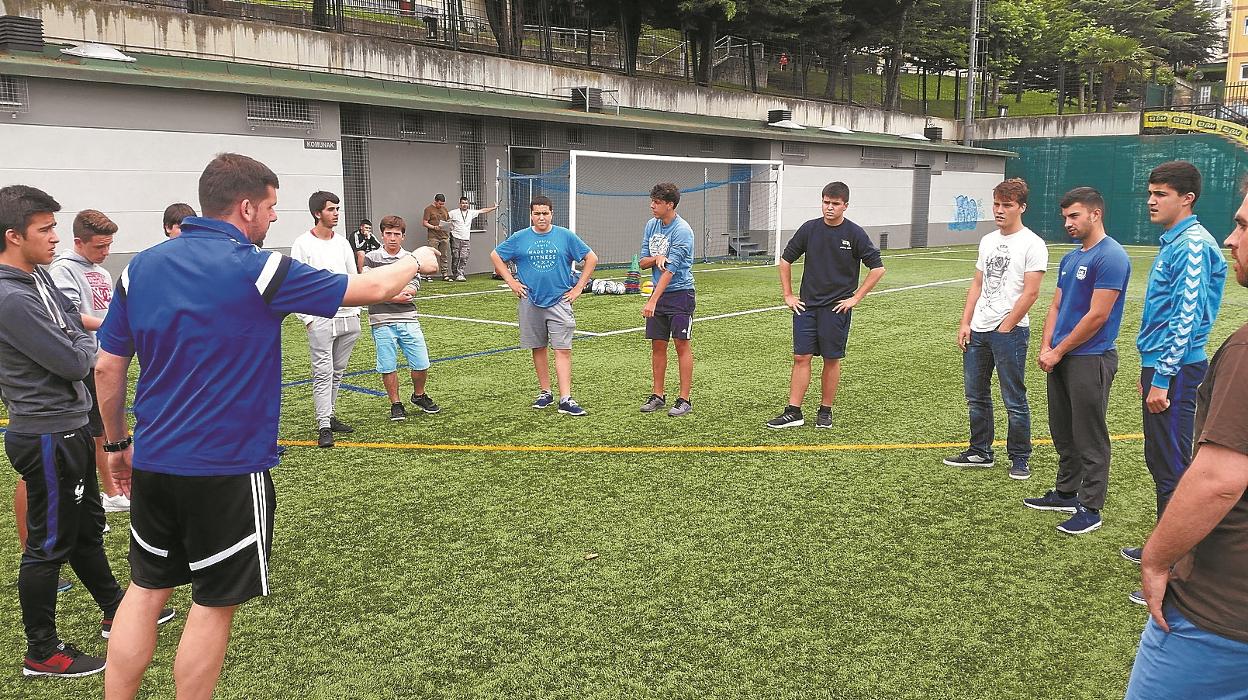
(543, 400)
(1019, 470)
(1132, 554)
(63, 584)
(571, 408)
(1137, 597)
(1083, 521)
(1052, 501)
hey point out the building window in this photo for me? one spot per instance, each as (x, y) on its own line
(576, 136)
(412, 125)
(645, 140)
(793, 148)
(706, 144)
(288, 112)
(13, 95)
(1243, 71)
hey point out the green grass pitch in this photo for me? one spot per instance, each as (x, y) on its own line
(857, 573)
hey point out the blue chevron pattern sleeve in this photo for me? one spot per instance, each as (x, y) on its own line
(1196, 272)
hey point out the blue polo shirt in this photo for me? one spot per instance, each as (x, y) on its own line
(1105, 266)
(203, 312)
(544, 261)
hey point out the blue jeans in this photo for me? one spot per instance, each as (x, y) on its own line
(1007, 353)
(1187, 663)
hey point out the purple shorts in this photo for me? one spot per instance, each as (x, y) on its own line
(673, 316)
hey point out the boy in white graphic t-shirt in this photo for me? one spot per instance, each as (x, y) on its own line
(995, 330)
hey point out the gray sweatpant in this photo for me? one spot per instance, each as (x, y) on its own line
(1078, 400)
(330, 341)
(460, 250)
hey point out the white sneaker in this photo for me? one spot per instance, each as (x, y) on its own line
(115, 504)
(461, 278)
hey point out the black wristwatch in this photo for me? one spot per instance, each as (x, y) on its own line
(119, 445)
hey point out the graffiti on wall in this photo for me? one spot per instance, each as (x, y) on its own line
(966, 213)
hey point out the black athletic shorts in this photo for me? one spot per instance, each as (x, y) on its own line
(95, 423)
(820, 330)
(673, 316)
(213, 532)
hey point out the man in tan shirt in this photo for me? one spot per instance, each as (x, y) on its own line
(437, 222)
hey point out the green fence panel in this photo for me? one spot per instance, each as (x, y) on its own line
(1118, 167)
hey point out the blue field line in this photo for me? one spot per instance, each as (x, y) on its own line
(374, 392)
(361, 389)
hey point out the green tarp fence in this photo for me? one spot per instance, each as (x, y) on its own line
(1118, 167)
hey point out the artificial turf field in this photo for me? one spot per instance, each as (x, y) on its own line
(843, 563)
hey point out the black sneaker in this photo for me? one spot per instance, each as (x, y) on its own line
(791, 418)
(397, 412)
(968, 458)
(1052, 501)
(325, 437)
(424, 403)
(1132, 554)
(63, 584)
(823, 419)
(65, 662)
(1138, 598)
(106, 625)
(1081, 522)
(338, 426)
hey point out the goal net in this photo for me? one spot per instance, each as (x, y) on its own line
(733, 206)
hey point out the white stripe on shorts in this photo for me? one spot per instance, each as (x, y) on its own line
(223, 554)
(258, 497)
(158, 552)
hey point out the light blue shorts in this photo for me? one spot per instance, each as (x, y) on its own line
(392, 337)
(1188, 663)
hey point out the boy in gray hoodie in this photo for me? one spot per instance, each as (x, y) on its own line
(81, 276)
(44, 356)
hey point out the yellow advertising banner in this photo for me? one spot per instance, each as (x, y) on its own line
(1195, 122)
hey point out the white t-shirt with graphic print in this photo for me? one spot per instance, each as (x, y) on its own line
(1004, 260)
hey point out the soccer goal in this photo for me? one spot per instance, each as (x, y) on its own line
(733, 206)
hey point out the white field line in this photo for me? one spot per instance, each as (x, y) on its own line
(487, 321)
(748, 312)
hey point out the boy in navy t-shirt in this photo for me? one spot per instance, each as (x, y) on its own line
(835, 248)
(543, 254)
(1078, 354)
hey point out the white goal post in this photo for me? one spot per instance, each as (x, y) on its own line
(732, 205)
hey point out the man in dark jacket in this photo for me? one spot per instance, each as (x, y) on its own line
(44, 356)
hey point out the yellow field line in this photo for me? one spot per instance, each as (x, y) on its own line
(634, 449)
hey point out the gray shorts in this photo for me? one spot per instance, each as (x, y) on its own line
(541, 327)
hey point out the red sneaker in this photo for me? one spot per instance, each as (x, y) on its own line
(66, 662)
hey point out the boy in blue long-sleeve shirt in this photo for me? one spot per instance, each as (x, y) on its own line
(1182, 300)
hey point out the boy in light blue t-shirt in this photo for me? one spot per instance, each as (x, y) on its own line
(543, 254)
(667, 247)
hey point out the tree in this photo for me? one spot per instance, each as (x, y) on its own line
(1114, 55)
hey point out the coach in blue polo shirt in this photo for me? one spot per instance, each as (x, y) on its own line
(203, 313)
(1078, 353)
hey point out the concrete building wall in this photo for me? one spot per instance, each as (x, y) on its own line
(1111, 124)
(133, 174)
(172, 33)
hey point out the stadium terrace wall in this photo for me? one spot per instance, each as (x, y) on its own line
(152, 30)
(1118, 166)
(138, 148)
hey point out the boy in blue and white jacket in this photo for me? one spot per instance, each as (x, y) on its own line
(1182, 300)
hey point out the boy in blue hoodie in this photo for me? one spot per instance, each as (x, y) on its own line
(1182, 300)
